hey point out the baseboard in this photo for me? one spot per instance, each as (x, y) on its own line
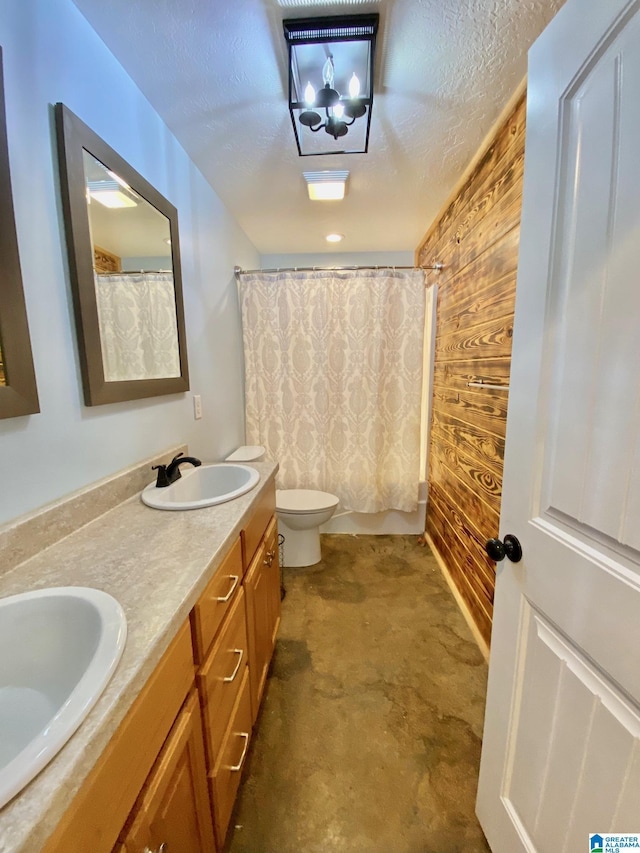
(462, 604)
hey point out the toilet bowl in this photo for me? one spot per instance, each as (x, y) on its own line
(300, 513)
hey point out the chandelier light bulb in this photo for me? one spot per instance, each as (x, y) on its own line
(354, 86)
(309, 95)
(328, 72)
(338, 111)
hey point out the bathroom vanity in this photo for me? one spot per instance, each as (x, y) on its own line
(159, 759)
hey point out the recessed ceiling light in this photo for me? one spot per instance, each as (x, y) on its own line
(334, 238)
(327, 185)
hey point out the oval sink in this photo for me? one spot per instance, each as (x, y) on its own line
(204, 486)
(58, 649)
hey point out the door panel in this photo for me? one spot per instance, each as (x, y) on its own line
(593, 349)
(566, 709)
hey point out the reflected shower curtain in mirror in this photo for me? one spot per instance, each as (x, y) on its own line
(333, 376)
(138, 326)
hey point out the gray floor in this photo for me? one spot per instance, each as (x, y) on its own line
(369, 735)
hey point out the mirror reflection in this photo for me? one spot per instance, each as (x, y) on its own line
(133, 274)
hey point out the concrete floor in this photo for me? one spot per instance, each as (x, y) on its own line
(368, 740)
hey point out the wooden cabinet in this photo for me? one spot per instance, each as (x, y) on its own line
(234, 665)
(262, 587)
(170, 774)
(96, 816)
(173, 808)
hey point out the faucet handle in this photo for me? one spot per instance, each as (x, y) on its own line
(162, 479)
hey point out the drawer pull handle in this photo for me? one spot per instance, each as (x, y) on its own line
(234, 583)
(164, 848)
(238, 766)
(231, 677)
(270, 557)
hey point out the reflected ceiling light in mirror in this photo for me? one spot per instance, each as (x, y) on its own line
(334, 238)
(118, 179)
(327, 185)
(109, 194)
(331, 63)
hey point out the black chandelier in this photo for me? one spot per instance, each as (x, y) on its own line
(339, 50)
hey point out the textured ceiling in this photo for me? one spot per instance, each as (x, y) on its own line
(216, 72)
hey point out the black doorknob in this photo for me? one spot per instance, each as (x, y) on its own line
(510, 548)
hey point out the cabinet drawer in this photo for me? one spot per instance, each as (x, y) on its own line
(226, 774)
(257, 524)
(216, 601)
(220, 679)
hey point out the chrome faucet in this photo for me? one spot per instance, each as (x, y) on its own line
(168, 474)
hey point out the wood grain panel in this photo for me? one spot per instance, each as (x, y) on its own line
(473, 442)
(481, 408)
(476, 238)
(457, 495)
(461, 577)
(479, 578)
(494, 302)
(492, 339)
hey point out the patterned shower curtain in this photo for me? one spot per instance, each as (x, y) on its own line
(138, 326)
(333, 376)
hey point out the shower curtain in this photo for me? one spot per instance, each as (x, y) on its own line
(138, 326)
(333, 373)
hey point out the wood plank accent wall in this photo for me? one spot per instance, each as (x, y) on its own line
(476, 238)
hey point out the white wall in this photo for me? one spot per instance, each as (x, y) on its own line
(338, 259)
(51, 54)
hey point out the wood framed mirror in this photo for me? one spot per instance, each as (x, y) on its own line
(124, 264)
(18, 391)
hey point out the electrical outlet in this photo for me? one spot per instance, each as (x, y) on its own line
(197, 406)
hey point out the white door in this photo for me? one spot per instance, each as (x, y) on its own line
(561, 750)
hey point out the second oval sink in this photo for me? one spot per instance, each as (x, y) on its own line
(58, 649)
(207, 485)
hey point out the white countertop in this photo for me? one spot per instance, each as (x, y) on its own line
(155, 564)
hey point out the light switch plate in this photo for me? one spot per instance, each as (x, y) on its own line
(197, 406)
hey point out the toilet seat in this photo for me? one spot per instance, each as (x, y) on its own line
(304, 500)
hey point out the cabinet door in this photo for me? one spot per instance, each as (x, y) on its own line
(262, 588)
(173, 814)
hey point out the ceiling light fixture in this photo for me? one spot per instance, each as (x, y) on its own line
(339, 50)
(327, 185)
(109, 194)
(334, 238)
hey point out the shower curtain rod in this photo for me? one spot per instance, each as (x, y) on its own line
(239, 271)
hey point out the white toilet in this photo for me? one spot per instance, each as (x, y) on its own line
(300, 513)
